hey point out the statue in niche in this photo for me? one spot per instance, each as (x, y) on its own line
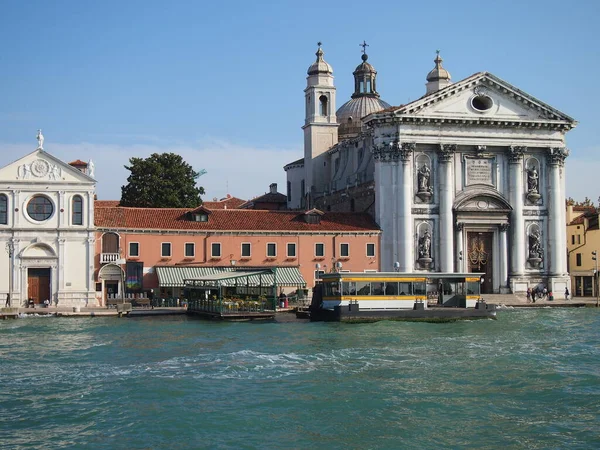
(423, 176)
(425, 246)
(532, 180)
(423, 180)
(535, 246)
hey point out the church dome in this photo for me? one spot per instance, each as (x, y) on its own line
(350, 113)
(320, 65)
(364, 101)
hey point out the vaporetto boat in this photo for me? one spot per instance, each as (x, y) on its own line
(368, 297)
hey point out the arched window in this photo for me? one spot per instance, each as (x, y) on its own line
(3, 209)
(77, 212)
(323, 107)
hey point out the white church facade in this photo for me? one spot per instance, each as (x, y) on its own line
(47, 231)
(468, 178)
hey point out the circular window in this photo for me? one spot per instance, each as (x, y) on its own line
(482, 103)
(40, 208)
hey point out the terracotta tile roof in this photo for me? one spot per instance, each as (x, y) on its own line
(78, 162)
(230, 220)
(589, 208)
(105, 203)
(577, 220)
(229, 203)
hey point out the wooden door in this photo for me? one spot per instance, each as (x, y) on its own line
(480, 257)
(38, 285)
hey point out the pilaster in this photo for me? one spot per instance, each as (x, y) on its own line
(446, 194)
(556, 201)
(515, 161)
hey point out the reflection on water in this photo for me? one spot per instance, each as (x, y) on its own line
(527, 380)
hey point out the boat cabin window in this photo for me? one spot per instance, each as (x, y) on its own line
(473, 287)
(419, 288)
(331, 289)
(348, 288)
(363, 288)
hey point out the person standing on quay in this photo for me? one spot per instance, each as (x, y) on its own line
(566, 293)
(7, 304)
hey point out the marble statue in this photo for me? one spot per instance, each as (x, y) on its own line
(425, 245)
(532, 180)
(423, 178)
(91, 168)
(535, 245)
(40, 138)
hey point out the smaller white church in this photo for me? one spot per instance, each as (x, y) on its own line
(47, 231)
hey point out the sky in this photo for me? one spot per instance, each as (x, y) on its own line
(221, 83)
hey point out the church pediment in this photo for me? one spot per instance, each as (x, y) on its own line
(481, 99)
(42, 167)
(481, 200)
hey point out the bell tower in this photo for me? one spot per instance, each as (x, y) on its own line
(320, 125)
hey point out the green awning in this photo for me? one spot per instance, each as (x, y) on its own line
(170, 276)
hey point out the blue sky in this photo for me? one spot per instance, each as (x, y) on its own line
(222, 83)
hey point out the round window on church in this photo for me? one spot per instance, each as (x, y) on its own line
(482, 103)
(40, 208)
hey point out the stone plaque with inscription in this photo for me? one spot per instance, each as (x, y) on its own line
(480, 171)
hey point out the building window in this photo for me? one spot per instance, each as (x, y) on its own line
(40, 208)
(289, 191)
(134, 249)
(291, 250)
(246, 250)
(215, 250)
(190, 250)
(578, 257)
(352, 205)
(319, 250)
(77, 210)
(165, 249)
(370, 250)
(572, 239)
(579, 239)
(323, 107)
(3, 209)
(344, 250)
(271, 250)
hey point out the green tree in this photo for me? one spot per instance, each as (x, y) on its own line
(161, 181)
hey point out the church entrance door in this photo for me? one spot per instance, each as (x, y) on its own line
(38, 285)
(480, 257)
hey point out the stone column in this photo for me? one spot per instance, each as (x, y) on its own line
(515, 161)
(460, 251)
(405, 219)
(446, 191)
(503, 228)
(556, 206)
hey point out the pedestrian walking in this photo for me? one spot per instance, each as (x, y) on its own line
(528, 294)
(545, 293)
(566, 293)
(7, 304)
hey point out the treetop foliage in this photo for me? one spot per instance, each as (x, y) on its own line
(161, 181)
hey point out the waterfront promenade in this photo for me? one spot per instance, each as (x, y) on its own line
(520, 301)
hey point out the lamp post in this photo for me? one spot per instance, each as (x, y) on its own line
(10, 249)
(595, 259)
(396, 266)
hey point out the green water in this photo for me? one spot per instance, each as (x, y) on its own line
(530, 379)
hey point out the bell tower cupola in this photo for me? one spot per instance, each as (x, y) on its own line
(320, 124)
(439, 77)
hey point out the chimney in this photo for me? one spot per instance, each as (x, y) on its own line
(273, 188)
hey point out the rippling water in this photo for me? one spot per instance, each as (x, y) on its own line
(530, 379)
